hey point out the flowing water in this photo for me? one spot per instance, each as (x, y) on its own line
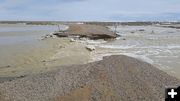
(156, 45)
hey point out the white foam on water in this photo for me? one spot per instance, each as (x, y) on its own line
(88, 41)
(95, 41)
(63, 27)
(173, 46)
(141, 57)
(117, 38)
(137, 45)
(160, 47)
(153, 52)
(144, 58)
(117, 46)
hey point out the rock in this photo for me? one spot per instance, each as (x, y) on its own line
(43, 61)
(90, 48)
(152, 32)
(72, 40)
(22, 76)
(53, 36)
(8, 66)
(83, 39)
(141, 30)
(48, 36)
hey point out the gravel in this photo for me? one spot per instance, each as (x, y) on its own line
(115, 78)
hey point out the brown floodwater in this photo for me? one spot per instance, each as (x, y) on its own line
(23, 52)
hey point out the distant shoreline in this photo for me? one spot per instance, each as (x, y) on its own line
(106, 23)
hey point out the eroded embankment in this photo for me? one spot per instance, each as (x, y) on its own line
(88, 31)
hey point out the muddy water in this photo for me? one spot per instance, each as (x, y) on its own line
(18, 33)
(156, 45)
(22, 51)
(20, 46)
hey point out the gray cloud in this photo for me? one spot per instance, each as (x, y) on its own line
(147, 17)
(89, 9)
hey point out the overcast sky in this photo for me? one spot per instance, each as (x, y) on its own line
(90, 10)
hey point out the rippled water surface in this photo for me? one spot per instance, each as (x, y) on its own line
(156, 45)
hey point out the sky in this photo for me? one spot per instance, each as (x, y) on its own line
(90, 10)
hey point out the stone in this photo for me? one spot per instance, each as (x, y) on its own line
(90, 48)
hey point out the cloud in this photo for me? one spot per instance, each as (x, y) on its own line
(89, 9)
(146, 17)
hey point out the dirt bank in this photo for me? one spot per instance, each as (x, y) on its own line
(115, 78)
(88, 31)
